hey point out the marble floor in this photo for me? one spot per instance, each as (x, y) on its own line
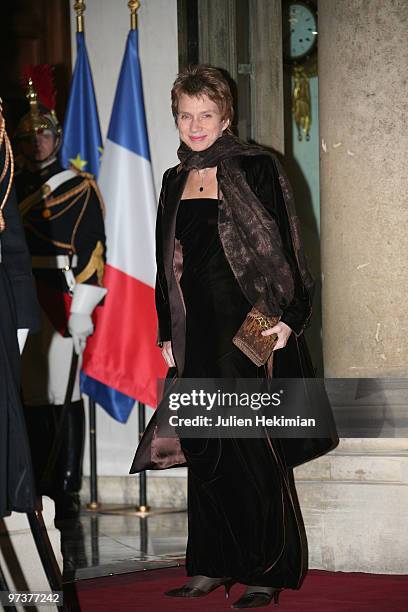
(99, 544)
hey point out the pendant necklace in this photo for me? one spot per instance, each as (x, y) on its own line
(201, 188)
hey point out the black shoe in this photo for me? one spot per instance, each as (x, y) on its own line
(256, 599)
(208, 586)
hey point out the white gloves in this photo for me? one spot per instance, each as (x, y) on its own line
(22, 337)
(80, 325)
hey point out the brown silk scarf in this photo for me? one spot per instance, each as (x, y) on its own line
(249, 234)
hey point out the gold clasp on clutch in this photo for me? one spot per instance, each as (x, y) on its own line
(262, 321)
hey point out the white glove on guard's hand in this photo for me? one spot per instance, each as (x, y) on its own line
(80, 325)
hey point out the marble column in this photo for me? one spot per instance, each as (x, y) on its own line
(363, 110)
(354, 500)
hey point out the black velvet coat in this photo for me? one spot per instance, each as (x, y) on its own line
(18, 309)
(293, 361)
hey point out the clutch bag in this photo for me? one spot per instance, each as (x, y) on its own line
(249, 339)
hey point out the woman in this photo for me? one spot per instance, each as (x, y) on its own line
(18, 315)
(227, 239)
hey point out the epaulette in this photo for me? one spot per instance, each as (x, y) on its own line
(92, 181)
(90, 178)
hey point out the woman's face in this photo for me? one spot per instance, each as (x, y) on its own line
(199, 122)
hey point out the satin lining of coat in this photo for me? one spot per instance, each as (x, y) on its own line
(178, 268)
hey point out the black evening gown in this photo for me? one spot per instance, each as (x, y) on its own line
(243, 517)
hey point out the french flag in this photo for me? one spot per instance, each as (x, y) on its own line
(121, 362)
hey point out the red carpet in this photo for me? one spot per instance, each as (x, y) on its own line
(321, 591)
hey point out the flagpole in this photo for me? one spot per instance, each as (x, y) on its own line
(134, 6)
(137, 167)
(79, 8)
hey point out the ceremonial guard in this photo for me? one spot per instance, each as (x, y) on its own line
(62, 214)
(18, 316)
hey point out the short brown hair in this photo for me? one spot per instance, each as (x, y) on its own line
(199, 80)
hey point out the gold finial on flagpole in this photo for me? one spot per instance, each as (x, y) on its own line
(134, 6)
(79, 8)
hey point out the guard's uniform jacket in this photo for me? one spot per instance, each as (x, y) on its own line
(62, 215)
(63, 220)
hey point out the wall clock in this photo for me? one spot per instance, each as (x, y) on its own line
(301, 31)
(300, 55)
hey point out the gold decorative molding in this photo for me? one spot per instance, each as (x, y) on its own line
(301, 102)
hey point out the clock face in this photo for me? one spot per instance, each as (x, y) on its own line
(303, 30)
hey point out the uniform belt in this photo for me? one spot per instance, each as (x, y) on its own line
(54, 262)
(65, 263)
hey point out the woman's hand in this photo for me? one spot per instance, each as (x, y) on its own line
(283, 332)
(168, 354)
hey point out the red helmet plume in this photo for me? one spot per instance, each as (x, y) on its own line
(42, 77)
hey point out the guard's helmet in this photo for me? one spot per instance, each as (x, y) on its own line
(40, 118)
